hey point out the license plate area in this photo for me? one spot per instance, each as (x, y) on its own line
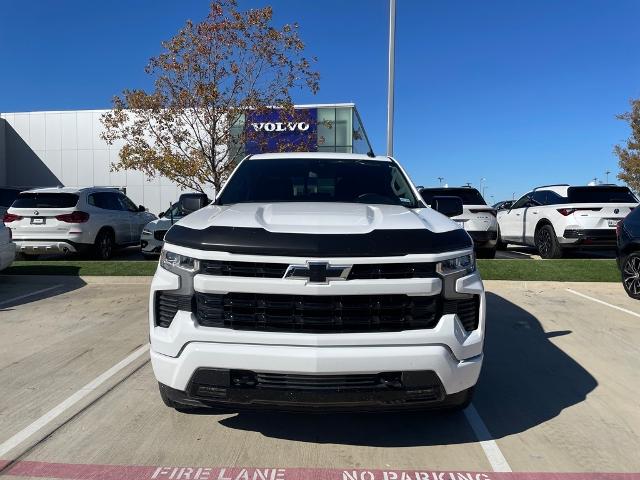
(612, 222)
(38, 221)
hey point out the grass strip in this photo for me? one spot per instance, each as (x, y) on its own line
(570, 270)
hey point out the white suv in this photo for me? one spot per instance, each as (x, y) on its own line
(554, 218)
(478, 218)
(69, 220)
(318, 281)
(7, 247)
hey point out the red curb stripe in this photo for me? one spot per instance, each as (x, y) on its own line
(68, 471)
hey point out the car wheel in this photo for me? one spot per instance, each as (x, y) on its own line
(631, 275)
(547, 242)
(501, 244)
(104, 245)
(486, 252)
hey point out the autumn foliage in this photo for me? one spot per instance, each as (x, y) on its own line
(629, 154)
(206, 78)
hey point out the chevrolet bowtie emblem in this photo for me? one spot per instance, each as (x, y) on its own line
(317, 272)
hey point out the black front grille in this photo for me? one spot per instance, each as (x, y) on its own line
(468, 311)
(317, 314)
(358, 271)
(159, 234)
(168, 304)
(285, 381)
(243, 269)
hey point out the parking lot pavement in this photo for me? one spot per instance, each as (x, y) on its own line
(559, 393)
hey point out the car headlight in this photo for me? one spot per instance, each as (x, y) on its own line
(465, 263)
(174, 261)
(146, 232)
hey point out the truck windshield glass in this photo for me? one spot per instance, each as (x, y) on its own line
(45, 200)
(601, 195)
(318, 180)
(469, 196)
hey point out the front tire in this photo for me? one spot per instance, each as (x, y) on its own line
(501, 244)
(486, 252)
(104, 245)
(547, 242)
(631, 275)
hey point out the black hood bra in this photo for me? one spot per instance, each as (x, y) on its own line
(258, 241)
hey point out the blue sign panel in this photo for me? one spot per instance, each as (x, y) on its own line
(277, 131)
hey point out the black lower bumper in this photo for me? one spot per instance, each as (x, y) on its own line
(591, 238)
(483, 239)
(242, 390)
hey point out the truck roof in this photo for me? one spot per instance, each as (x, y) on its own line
(317, 155)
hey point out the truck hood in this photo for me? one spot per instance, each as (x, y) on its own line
(318, 230)
(318, 218)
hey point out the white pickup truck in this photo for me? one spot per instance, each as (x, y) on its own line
(318, 281)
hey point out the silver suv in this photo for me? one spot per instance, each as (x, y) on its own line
(70, 220)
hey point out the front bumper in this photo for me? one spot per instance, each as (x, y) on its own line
(589, 238)
(484, 238)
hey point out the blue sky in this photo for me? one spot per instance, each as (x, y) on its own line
(522, 93)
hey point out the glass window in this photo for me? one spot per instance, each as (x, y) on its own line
(311, 180)
(46, 200)
(344, 129)
(469, 196)
(127, 203)
(105, 200)
(359, 141)
(601, 195)
(523, 201)
(327, 128)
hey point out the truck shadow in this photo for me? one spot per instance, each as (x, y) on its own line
(526, 381)
(16, 290)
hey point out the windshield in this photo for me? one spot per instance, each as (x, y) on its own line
(318, 180)
(45, 200)
(601, 195)
(469, 196)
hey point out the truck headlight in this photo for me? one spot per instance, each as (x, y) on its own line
(174, 261)
(465, 263)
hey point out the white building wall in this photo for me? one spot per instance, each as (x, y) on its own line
(65, 148)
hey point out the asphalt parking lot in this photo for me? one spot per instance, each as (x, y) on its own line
(559, 393)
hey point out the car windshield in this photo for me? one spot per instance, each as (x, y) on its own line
(469, 196)
(601, 195)
(45, 200)
(7, 196)
(319, 180)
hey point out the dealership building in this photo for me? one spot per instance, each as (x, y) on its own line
(45, 149)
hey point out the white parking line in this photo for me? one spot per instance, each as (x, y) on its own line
(488, 444)
(603, 303)
(27, 295)
(56, 411)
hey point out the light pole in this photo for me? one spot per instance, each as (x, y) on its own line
(440, 179)
(391, 74)
(607, 174)
(482, 186)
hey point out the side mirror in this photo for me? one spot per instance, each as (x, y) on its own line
(191, 204)
(141, 208)
(161, 214)
(449, 206)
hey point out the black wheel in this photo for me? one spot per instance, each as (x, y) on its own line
(631, 275)
(150, 256)
(547, 242)
(104, 245)
(501, 244)
(486, 252)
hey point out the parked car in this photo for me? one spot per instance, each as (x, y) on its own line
(153, 233)
(70, 220)
(628, 252)
(554, 218)
(7, 247)
(318, 281)
(503, 205)
(478, 219)
(7, 196)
